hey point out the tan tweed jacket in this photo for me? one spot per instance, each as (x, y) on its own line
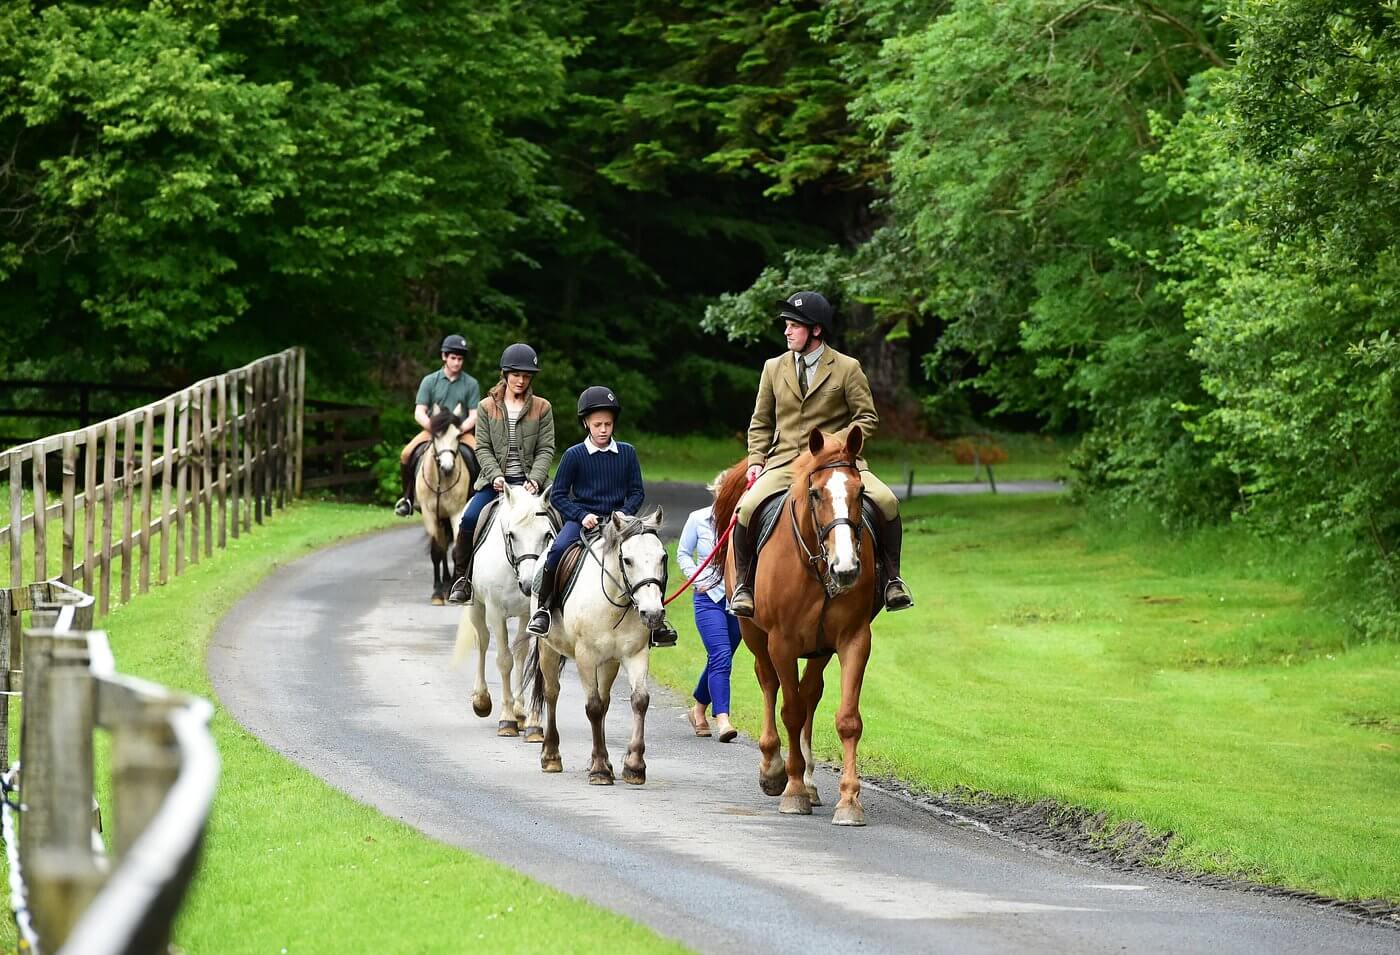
(838, 396)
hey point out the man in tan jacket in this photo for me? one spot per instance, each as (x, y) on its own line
(811, 385)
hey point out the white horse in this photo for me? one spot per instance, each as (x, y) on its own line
(604, 625)
(519, 536)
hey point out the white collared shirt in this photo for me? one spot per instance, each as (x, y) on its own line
(594, 449)
(811, 359)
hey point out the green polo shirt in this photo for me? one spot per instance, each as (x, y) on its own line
(437, 389)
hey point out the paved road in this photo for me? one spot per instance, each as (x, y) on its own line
(340, 663)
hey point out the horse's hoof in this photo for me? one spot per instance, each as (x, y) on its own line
(507, 728)
(852, 815)
(438, 601)
(812, 795)
(772, 785)
(798, 805)
(551, 764)
(636, 777)
(600, 779)
(481, 705)
(534, 734)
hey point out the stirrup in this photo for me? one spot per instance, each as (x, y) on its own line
(741, 604)
(461, 591)
(897, 596)
(539, 623)
(664, 636)
(402, 507)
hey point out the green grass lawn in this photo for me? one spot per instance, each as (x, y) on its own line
(699, 458)
(1191, 685)
(292, 865)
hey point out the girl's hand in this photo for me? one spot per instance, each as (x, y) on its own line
(499, 484)
(589, 522)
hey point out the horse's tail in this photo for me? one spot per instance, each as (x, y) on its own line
(534, 682)
(466, 638)
(731, 488)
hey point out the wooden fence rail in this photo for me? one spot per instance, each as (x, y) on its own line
(213, 460)
(67, 893)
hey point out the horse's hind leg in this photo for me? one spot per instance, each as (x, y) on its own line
(481, 694)
(534, 732)
(812, 687)
(509, 724)
(600, 771)
(634, 767)
(771, 778)
(550, 761)
(854, 654)
(795, 799)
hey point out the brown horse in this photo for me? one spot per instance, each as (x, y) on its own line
(814, 596)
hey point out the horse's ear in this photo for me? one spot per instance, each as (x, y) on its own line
(815, 440)
(457, 411)
(435, 409)
(619, 520)
(654, 519)
(854, 442)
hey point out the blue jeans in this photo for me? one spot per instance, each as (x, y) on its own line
(476, 505)
(719, 631)
(570, 532)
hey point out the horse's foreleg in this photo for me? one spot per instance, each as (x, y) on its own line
(812, 687)
(550, 761)
(439, 559)
(534, 732)
(600, 771)
(771, 778)
(634, 767)
(509, 724)
(854, 654)
(795, 799)
(481, 694)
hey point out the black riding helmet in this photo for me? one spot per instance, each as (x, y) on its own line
(520, 357)
(807, 308)
(598, 398)
(454, 345)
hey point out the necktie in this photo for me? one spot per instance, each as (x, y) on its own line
(802, 376)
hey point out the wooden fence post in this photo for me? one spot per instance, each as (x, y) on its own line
(167, 459)
(300, 412)
(89, 506)
(109, 460)
(41, 516)
(70, 474)
(238, 458)
(9, 659)
(195, 448)
(16, 519)
(250, 434)
(221, 425)
(148, 473)
(128, 502)
(182, 436)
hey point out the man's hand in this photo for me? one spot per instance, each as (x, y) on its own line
(589, 522)
(499, 484)
(753, 472)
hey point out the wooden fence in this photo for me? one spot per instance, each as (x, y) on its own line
(66, 892)
(213, 460)
(335, 432)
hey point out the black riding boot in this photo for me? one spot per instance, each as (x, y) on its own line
(897, 596)
(407, 475)
(741, 604)
(664, 635)
(462, 555)
(539, 622)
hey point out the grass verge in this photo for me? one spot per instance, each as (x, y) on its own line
(1191, 685)
(292, 865)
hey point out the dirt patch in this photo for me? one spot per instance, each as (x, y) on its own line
(1088, 836)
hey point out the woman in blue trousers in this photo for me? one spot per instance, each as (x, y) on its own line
(719, 629)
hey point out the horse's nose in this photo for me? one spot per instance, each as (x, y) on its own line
(846, 579)
(653, 618)
(445, 462)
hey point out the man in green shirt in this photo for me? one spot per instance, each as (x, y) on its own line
(450, 389)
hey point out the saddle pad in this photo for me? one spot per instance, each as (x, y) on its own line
(483, 523)
(565, 575)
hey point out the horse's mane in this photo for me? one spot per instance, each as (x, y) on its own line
(731, 488)
(439, 422)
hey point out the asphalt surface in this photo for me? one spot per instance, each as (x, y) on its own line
(340, 663)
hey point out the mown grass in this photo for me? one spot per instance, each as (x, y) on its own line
(292, 865)
(699, 458)
(1200, 686)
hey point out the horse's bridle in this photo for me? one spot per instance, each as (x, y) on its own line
(823, 577)
(438, 489)
(517, 559)
(627, 586)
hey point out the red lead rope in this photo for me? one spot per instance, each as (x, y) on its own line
(711, 555)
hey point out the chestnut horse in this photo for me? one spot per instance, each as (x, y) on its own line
(814, 596)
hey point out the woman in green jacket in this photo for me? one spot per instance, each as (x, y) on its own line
(514, 445)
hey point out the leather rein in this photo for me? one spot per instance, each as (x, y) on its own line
(821, 556)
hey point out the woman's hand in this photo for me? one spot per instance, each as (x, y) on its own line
(499, 484)
(589, 522)
(531, 486)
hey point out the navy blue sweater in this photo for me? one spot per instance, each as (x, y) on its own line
(597, 483)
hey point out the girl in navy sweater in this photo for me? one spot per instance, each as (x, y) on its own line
(597, 476)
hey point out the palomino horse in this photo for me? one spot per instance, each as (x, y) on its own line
(605, 624)
(520, 533)
(814, 595)
(441, 488)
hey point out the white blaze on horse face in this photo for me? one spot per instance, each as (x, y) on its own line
(446, 447)
(844, 558)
